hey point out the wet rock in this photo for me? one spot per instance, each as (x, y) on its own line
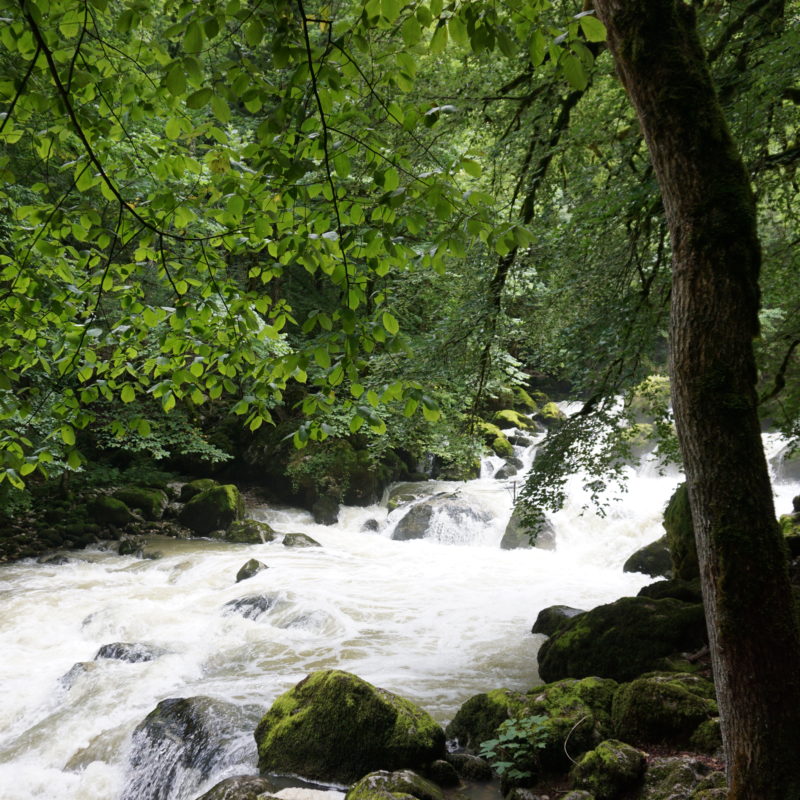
(249, 531)
(131, 546)
(55, 560)
(132, 653)
(679, 778)
(688, 591)
(107, 510)
(180, 744)
(518, 535)
(663, 709)
(470, 767)
(212, 509)
(252, 606)
(479, 717)
(550, 619)
(443, 773)
(609, 770)
(241, 787)
(421, 518)
(680, 536)
(371, 525)
(624, 639)
(76, 671)
(379, 784)
(325, 510)
(520, 440)
(299, 540)
(249, 569)
(653, 559)
(508, 470)
(403, 493)
(149, 502)
(334, 726)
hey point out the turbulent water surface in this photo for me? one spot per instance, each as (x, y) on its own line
(436, 620)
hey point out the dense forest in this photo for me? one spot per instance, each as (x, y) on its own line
(313, 247)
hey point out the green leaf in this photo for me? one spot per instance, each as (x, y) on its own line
(574, 72)
(173, 128)
(199, 98)
(593, 29)
(254, 32)
(193, 38)
(356, 423)
(390, 323)
(74, 459)
(537, 48)
(220, 108)
(127, 395)
(67, 435)
(391, 9)
(471, 167)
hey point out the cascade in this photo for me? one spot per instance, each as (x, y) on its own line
(91, 647)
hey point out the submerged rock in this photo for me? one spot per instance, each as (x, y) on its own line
(252, 606)
(132, 653)
(623, 640)
(334, 726)
(179, 744)
(249, 569)
(653, 559)
(212, 509)
(299, 540)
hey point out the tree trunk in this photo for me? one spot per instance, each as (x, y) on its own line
(716, 258)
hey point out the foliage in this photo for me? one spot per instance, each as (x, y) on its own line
(513, 750)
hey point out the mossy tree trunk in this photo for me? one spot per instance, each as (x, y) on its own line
(715, 298)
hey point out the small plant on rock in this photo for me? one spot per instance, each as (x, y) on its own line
(513, 751)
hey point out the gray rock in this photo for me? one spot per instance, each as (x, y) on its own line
(325, 511)
(249, 569)
(241, 787)
(517, 534)
(550, 619)
(418, 520)
(132, 653)
(652, 559)
(252, 606)
(299, 540)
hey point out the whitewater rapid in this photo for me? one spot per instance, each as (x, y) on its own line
(435, 620)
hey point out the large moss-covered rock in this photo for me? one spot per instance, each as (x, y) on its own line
(380, 784)
(550, 619)
(653, 559)
(550, 415)
(193, 488)
(518, 535)
(680, 535)
(213, 509)
(624, 639)
(662, 709)
(249, 531)
(609, 770)
(688, 591)
(107, 510)
(150, 502)
(470, 767)
(508, 418)
(334, 726)
(479, 717)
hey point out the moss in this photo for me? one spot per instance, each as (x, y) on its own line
(610, 769)
(790, 524)
(151, 502)
(110, 511)
(249, 569)
(489, 431)
(299, 540)
(502, 447)
(707, 738)
(249, 531)
(653, 559)
(622, 640)
(680, 535)
(524, 401)
(662, 709)
(193, 488)
(508, 418)
(402, 782)
(478, 718)
(213, 509)
(334, 726)
(550, 414)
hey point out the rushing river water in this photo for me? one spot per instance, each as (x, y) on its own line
(436, 620)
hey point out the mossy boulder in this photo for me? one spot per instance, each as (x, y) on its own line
(479, 717)
(662, 709)
(707, 737)
(508, 418)
(150, 502)
(299, 540)
(502, 447)
(653, 559)
(241, 787)
(193, 488)
(494, 438)
(334, 726)
(550, 415)
(402, 494)
(470, 767)
(249, 531)
(213, 509)
(106, 510)
(518, 535)
(623, 640)
(380, 784)
(249, 569)
(609, 770)
(688, 591)
(680, 535)
(679, 778)
(550, 619)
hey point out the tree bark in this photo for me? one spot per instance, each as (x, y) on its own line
(711, 214)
